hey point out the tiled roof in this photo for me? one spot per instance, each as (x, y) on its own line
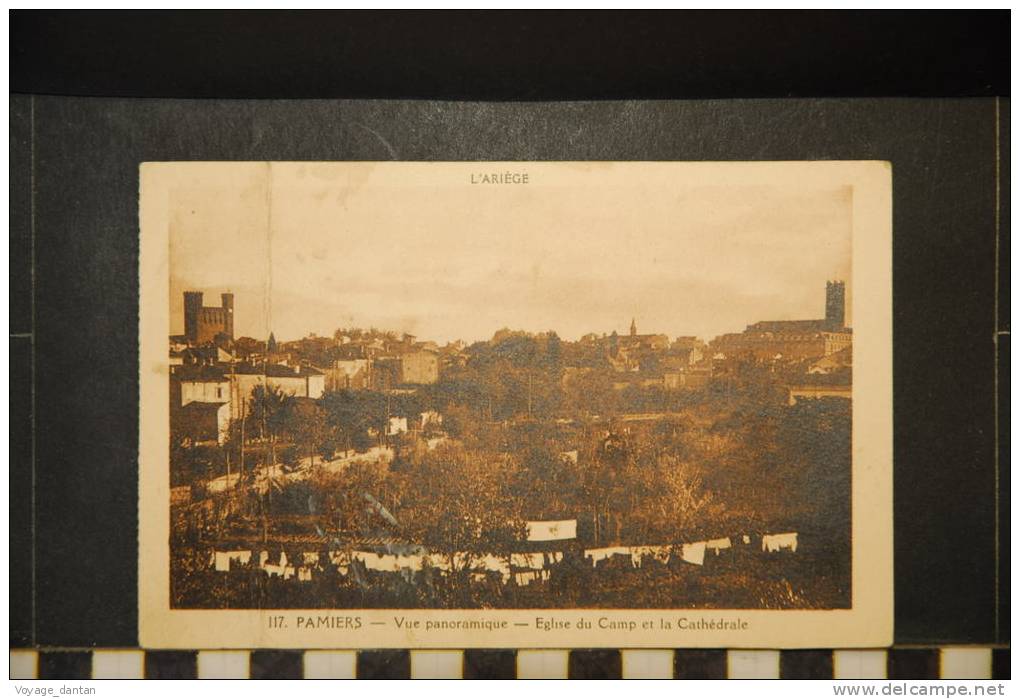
(281, 371)
(197, 407)
(276, 370)
(199, 372)
(794, 326)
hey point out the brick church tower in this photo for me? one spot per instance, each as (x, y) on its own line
(204, 324)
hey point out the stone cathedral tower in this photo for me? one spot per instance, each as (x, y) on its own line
(835, 305)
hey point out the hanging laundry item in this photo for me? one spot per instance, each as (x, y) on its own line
(532, 561)
(693, 553)
(554, 530)
(638, 554)
(597, 555)
(223, 559)
(718, 544)
(383, 563)
(440, 562)
(525, 578)
(396, 425)
(779, 542)
(310, 558)
(529, 576)
(430, 417)
(746, 539)
(662, 553)
(446, 562)
(304, 574)
(272, 569)
(411, 562)
(341, 560)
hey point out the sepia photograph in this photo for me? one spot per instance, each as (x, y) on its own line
(510, 387)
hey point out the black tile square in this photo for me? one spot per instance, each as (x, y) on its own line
(171, 664)
(384, 665)
(699, 664)
(603, 664)
(1000, 664)
(912, 664)
(805, 664)
(276, 665)
(65, 665)
(490, 664)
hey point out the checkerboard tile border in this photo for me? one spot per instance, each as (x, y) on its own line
(975, 663)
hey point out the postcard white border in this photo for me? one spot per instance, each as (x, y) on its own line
(869, 623)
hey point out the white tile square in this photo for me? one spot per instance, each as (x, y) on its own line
(437, 664)
(647, 664)
(542, 664)
(859, 664)
(118, 665)
(752, 664)
(223, 665)
(331, 665)
(965, 664)
(24, 665)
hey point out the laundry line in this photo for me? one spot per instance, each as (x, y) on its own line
(524, 567)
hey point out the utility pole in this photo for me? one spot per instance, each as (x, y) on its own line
(529, 394)
(236, 390)
(240, 470)
(386, 424)
(267, 468)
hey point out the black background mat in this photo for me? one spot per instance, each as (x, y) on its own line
(74, 231)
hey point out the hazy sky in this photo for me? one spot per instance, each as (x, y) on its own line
(580, 248)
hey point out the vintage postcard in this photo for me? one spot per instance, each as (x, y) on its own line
(515, 404)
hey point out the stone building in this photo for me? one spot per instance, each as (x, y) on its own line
(349, 374)
(419, 367)
(298, 381)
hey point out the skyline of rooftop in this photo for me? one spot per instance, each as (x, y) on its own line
(398, 332)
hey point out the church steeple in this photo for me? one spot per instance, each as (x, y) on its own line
(633, 327)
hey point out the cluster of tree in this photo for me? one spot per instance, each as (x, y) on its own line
(733, 455)
(363, 335)
(472, 495)
(765, 460)
(730, 463)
